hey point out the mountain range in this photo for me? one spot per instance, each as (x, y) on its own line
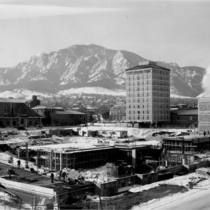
(81, 66)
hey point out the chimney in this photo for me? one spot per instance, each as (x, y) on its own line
(34, 98)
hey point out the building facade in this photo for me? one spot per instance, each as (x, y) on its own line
(68, 117)
(118, 113)
(184, 117)
(204, 114)
(14, 112)
(90, 111)
(147, 94)
(45, 113)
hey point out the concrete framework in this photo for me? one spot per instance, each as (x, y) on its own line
(148, 93)
(57, 157)
(204, 114)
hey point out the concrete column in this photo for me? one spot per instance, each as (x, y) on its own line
(18, 153)
(51, 159)
(133, 157)
(61, 161)
(37, 158)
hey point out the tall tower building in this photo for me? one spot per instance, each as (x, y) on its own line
(147, 94)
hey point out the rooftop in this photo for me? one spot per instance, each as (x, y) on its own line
(47, 107)
(147, 64)
(66, 112)
(11, 100)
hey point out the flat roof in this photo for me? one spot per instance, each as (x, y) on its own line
(148, 64)
(84, 146)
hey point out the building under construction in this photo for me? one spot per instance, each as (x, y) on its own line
(72, 155)
(185, 147)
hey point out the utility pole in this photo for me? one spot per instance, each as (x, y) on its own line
(27, 155)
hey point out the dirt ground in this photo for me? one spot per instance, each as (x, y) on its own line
(128, 200)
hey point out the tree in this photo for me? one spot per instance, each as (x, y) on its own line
(104, 111)
(47, 119)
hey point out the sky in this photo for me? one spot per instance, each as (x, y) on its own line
(170, 31)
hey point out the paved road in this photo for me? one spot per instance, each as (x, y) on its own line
(197, 201)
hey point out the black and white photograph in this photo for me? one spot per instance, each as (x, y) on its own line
(105, 104)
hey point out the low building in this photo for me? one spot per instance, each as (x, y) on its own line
(90, 111)
(45, 113)
(68, 117)
(118, 113)
(179, 147)
(42, 110)
(14, 112)
(184, 117)
(204, 114)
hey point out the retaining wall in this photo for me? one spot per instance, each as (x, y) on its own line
(28, 188)
(193, 167)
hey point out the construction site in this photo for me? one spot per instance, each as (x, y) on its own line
(92, 162)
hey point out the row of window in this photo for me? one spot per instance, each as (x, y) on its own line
(148, 71)
(156, 95)
(143, 77)
(117, 112)
(148, 111)
(147, 117)
(147, 88)
(156, 102)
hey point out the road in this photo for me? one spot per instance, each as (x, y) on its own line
(198, 200)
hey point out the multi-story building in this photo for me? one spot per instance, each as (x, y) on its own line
(204, 114)
(147, 94)
(14, 112)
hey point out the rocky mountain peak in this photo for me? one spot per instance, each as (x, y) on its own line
(91, 65)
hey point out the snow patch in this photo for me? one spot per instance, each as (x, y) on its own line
(93, 90)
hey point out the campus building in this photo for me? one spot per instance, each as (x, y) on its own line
(147, 94)
(184, 118)
(68, 117)
(204, 114)
(14, 112)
